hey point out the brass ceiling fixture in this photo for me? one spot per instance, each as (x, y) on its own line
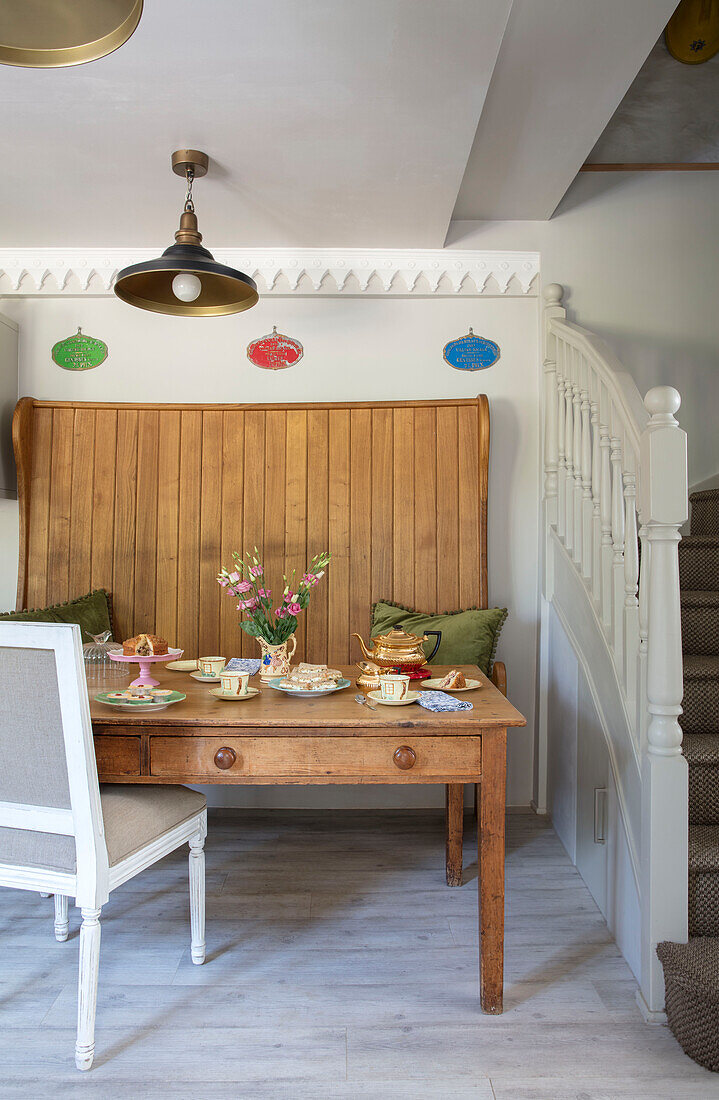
(48, 34)
(185, 280)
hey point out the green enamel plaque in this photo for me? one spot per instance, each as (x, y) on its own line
(79, 352)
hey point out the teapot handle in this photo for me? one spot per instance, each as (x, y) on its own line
(438, 635)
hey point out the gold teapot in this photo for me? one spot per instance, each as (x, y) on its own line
(398, 648)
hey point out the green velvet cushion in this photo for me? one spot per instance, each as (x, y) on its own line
(468, 637)
(91, 613)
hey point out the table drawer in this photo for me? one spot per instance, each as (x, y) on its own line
(396, 759)
(117, 755)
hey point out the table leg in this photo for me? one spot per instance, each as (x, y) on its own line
(454, 830)
(490, 836)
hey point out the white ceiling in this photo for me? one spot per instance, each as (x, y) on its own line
(328, 122)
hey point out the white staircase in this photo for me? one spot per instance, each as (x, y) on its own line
(615, 484)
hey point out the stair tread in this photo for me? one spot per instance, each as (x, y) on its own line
(700, 667)
(701, 748)
(704, 849)
(696, 961)
(704, 494)
(699, 540)
(699, 597)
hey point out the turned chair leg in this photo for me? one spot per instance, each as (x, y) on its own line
(62, 921)
(87, 987)
(197, 898)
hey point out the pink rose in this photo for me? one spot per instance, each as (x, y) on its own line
(247, 605)
(309, 580)
(223, 581)
(265, 593)
(244, 586)
(294, 608)
(233, 577)
(280, 612)
(256, 570)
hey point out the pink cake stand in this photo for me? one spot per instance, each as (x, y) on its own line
(145, 679)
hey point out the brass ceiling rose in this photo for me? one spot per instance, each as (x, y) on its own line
(186, 281)
(49, 34)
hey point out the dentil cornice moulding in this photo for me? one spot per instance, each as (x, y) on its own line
(68, 272)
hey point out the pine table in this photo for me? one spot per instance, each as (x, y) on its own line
(275, 738)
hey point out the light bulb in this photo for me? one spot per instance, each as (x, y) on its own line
(186, 287)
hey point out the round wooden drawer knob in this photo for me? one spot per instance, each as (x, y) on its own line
(404, 757)
(225, 758)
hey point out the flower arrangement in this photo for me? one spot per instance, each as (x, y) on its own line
(247, 583)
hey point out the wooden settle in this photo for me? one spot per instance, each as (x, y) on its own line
(148, 501)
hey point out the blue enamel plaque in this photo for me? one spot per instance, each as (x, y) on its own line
(471, 352)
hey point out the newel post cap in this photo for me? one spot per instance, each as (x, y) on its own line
(553, 294)
(662, 401)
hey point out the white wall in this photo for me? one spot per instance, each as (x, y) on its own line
(637, 253)
(355, 349)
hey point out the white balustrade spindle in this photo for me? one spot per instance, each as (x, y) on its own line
(617, 551)
(596, 496)
(569, 453)
(577, 449)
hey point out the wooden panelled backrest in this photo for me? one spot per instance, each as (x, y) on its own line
(149, 501)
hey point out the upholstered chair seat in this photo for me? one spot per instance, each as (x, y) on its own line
(133, 817)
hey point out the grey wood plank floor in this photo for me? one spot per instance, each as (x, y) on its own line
(339, 966)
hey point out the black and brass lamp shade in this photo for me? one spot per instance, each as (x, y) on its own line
(49, 34)
(149, 285)
(216, 290)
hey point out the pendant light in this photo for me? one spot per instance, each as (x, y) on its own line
(48, 34)
(185, 280)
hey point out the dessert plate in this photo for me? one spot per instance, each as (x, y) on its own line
(434, 685)
(205, 679)
(220, 694)
(120, 699)
(410, 697)
(182, 666)
(278, 683)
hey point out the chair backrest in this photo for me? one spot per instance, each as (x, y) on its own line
(50, 812)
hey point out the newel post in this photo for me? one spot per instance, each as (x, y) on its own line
(664, 841)
(553, 308)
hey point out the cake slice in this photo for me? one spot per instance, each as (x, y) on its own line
(453, 679)
(144, 645)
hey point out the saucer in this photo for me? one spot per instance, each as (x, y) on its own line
(120, 699)
(182, 666)
(433, 685)
(220, 694)
(410, 697)
(205, 679)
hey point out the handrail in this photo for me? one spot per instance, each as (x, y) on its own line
(620, 383)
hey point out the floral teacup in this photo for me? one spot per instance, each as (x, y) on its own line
(234, 683)
(211, 666)
(393, 686)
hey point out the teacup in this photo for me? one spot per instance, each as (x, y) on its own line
(211, 666)
(234, 683)
(392, 685)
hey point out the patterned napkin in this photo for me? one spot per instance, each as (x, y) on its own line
(244, 664)
(440, 700)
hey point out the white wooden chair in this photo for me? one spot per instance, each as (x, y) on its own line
(60, 832)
